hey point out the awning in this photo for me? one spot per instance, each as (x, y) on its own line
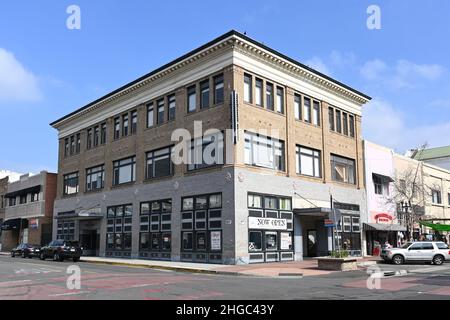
(436, 226)
(382, 177)
(383, 227)
(13, 224)
(313, 212)
(14, 194)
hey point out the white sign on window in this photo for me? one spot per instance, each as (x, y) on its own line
(286, 241)
(216, 243)
(267, 223)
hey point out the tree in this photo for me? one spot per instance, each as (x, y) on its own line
(410, 193)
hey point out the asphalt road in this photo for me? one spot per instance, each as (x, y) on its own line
(32, 279)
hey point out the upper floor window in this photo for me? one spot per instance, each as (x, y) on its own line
(72, 145)
(247, 88)
(316, 113)
(34, 197)
(204, 94)
(11, 202)
(218, 89)
(150, 115)
(345, 123)
(380, 184)
(259, 92)
(264, 151)
(96, 136)
(89, 139)
(343, 169)
(117, 128)
(78, 143)
(269, 96)
(125, 125)
(159, 163)
(71, 185)
(191, 99)
(66, 147)
(436, 196)
(298, 106)
(280, 100)
(351, 121)
(331, 118)
(23, 199)
(308, 162)
(124, 171)
(307, 109)
(95, 178)
(206, 151)
(172, 107)
(134, 121)
(338, 121)
(103, 134)
(160, 118)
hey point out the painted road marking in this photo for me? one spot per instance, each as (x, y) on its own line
(69, 294)
(9, 283)
(428, 270)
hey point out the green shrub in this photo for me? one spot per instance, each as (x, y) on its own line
(339, 254)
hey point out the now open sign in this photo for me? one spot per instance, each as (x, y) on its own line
(267, 223)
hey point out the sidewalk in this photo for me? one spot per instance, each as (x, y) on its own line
(291, 268)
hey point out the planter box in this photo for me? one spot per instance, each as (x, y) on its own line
(337, 264)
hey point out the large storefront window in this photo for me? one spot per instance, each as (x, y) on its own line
(349, 229)
(270, 227)
(155, 229)
(119, 228)
(65, 230)
(201, 228)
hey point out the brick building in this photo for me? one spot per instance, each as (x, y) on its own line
(291, 138)
(29, 206)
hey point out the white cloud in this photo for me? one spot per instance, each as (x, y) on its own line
(383, 124)
(16, 82)
(318, 64)
(404, 74)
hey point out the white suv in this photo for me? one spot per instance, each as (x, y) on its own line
(435, 252)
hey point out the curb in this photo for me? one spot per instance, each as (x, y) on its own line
(298, 275)
(178, 269)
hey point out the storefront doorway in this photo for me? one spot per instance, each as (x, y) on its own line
(312, 243)
(90, 242)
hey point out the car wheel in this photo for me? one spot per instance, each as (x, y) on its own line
(438, 260)
(13, 254)
(56, 256)
(398, 259)
(24, 254)
(76, 259)
(42, 256)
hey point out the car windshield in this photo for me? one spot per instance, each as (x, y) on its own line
(406, 245)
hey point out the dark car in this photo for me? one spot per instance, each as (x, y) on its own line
(59, 250)
(26, 250)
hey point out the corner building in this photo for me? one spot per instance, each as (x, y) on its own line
(120, 194)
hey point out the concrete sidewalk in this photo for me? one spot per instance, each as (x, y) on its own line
(292, 268)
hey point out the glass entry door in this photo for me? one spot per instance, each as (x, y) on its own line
(312, 243)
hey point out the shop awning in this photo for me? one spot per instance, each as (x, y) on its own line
(313, 212)
(383, 227)
(82, 215)
(13, 224)
(436, 226)
(383, 177)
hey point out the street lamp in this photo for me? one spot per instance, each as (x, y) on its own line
(406, 207)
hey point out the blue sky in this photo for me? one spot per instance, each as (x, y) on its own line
(404, 66)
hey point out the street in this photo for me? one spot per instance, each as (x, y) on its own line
(32, 279)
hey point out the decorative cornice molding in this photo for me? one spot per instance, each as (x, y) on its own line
(233, 42)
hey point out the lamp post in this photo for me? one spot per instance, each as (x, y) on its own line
(406, 207)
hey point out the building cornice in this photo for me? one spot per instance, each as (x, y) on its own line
(236, 42)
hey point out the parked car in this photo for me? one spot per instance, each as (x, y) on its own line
(60, 250)
(424, 251)
(26, 250)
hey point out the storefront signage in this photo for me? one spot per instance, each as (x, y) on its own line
(286, 241)
(267, 223)
(34, 223)
(216, 240)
